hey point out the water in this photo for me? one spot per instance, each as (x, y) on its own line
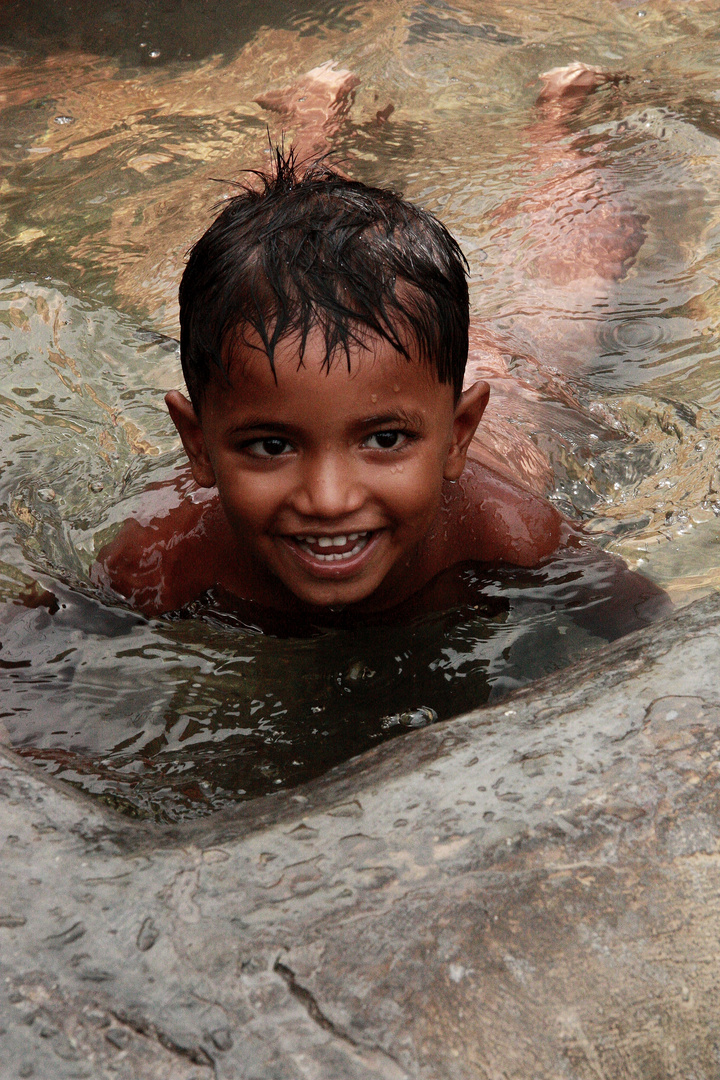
(111, 130)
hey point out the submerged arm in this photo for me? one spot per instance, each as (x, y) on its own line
(160, 559)
(496, 521)
(601, 593)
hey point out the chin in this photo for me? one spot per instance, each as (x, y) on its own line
(334, 600)
(337, 596)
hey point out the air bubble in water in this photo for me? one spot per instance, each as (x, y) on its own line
(413, 718)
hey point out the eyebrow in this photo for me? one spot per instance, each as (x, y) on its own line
(257, 423)
(409, 418)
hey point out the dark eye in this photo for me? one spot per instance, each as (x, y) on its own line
(273, 446)
(386, 440)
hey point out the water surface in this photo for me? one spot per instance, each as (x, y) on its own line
(112, 128)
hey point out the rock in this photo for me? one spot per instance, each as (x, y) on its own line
(530, 890)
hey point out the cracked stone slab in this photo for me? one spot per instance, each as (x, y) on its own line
(530, 891)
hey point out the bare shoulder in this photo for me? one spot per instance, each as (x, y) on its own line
(494, 520)
(159, 558)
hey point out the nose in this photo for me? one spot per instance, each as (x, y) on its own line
(329, 487)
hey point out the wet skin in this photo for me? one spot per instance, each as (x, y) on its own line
(345, 501)
(335, 488)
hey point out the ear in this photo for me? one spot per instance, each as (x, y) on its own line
(468, 414)
(190, 431)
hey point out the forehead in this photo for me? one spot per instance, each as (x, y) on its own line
(373, 371)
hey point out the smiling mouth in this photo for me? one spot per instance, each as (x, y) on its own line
(339, 548)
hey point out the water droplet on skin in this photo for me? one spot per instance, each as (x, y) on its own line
(373, 398)
(46, 495)
(154, 54)
(64, 120)
(396, 388)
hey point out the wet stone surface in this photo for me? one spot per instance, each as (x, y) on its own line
(530, 890)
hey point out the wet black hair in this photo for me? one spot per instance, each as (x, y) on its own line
(310, 248)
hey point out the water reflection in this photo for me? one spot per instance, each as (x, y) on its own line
(107, 153)
(174, 716)
(139, 33)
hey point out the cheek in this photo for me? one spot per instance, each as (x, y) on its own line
(415, 491)
(249, 498)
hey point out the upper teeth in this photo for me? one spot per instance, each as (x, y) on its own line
(332, 541)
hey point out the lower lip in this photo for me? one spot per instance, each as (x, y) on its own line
(336, 569)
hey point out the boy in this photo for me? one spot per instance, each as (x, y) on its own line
(324, 337)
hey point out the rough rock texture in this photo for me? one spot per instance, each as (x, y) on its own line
(531, 891)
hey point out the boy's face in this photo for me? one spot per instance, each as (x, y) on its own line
(330, 480)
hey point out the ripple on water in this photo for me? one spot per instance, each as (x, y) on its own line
(631, 334)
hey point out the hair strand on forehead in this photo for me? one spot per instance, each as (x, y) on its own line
(301, 250)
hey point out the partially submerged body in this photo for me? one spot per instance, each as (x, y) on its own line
(164, 560)
(355, 486)
(344, 484)
(348, 494)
